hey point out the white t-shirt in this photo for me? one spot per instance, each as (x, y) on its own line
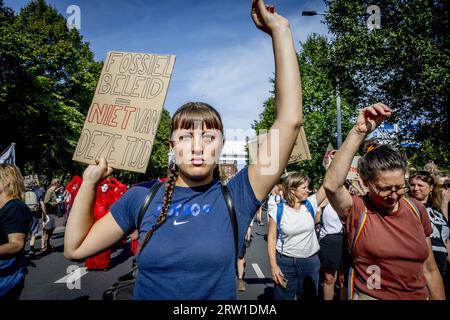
(297, 230)
(331, 222)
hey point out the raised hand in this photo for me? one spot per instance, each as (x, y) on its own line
(95, 173)
(371, 117)
(266, 18)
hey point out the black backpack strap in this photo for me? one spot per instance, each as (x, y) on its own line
(148, 199)
(233, 218)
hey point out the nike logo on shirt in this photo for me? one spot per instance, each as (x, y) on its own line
(176, 223)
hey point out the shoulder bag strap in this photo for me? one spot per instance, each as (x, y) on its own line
(412, 205)
(232, 213)
(280, 207)
(310, 208)
(148, 199)
(351, 277)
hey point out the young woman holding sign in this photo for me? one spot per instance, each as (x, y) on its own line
(191, 252)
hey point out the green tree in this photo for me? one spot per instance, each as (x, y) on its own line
(47, 80)
(405, 64)
(319, 105)
(50, 80)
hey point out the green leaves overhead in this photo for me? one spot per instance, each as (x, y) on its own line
(48, 77)
(405, 64)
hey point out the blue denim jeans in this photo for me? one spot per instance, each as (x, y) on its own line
(302, 275)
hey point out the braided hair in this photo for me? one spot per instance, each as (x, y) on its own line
(168, 192)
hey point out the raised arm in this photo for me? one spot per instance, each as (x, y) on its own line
(288, 103)
(368, 120)
(83, 237)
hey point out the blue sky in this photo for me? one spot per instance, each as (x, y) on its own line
(222, 58)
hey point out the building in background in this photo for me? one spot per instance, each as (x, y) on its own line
(233, 157)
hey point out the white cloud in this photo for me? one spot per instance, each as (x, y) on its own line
(235, 79)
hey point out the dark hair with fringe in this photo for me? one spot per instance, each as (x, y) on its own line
(184, 118)
(380, 157)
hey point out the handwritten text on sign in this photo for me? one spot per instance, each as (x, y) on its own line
(124, 115)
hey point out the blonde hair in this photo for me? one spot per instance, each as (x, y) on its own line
(10, 175)
(293, 180)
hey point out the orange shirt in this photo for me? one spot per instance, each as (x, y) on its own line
(389, 255)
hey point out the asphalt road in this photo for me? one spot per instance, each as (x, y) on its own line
(52, 277)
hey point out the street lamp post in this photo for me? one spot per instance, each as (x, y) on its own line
(338, 97)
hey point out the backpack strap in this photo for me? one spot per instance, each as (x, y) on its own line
(280, 207)
(232, 213)
(310, 208)
(412, 205)
(148, 199)
(351, 276)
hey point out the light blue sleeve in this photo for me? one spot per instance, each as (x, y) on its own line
(126, 209)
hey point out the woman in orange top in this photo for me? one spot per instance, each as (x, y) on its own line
(388, 234)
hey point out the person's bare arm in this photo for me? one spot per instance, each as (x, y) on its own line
(433, 276)
(288, 103)
(277, 274)
(15, 244)
(83, 237)
(368, 120)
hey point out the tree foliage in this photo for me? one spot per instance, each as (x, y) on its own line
(405, 64)
(48, 77)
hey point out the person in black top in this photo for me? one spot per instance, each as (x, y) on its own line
(424, 189)
(15, 217)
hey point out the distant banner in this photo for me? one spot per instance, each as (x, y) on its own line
(299, 152)
(301, 149)
(9, 155)
(126, 110)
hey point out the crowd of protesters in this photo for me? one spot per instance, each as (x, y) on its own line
(385, 237)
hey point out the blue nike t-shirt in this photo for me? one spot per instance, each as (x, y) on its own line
(192, 255)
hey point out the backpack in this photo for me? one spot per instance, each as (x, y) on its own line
(31, 201)
(280, 206)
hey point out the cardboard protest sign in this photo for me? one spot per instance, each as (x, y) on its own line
(353, 172)
(301, 149)
(126, 109)
(299, 152)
